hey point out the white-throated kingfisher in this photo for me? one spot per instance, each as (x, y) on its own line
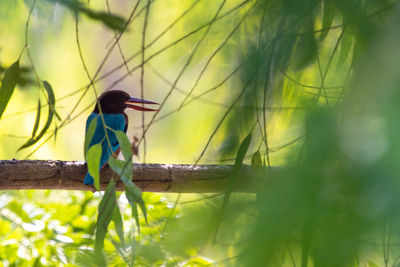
(112, 106)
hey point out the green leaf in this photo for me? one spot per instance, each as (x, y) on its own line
(142, 206)
(133, 193)
(51, 100)
(37, 263)
(134, 196)
(122, 168)
(119, 226)
(256, 161)
(8, 85)
(112, 21)
(329, 14)
(93, 163)
(306, 51)
(244, 146)
(106, 210)
(345, 46)
(135, 212)
(37, 120)
(89, 135)
(125, 144)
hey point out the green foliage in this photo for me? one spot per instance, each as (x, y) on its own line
(244, 146)
(108, 207)
(89, 135)
(256, 161)
(37, 120)
(24, 79)
(315, 82)
(54, 233)
(133, 193)
(124, 144)
(43, 233)
(125, 172)
(51, 101)
(345, 46)
(305, 51)
(112, 21)
(328, 16)
(8, 85)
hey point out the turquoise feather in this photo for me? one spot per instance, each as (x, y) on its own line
(113, 121)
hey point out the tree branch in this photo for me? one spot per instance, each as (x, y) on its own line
(68, 175)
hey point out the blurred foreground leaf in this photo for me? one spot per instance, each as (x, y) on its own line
(345, 46)
(328, 16)
(112, 21)
(305, 52)
(256, 161)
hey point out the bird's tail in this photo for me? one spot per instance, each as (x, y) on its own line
(88, 179)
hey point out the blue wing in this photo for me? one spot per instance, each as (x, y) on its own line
(115, 122)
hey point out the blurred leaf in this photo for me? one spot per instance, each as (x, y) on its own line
(93, 163)
(88, 258)
(244, 146)
(37, 120)
(23, 78)
(106, 210)
(37, 263)
(8, 85)
(372, 264)
(199, 261)
(89, 135)
(112, 21)
(134, 209)
(329, 14)
(305, 52)
(256, 161)
(51, 102)
(117, 219)
(345, 46)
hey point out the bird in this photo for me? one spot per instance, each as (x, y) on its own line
(112, 105)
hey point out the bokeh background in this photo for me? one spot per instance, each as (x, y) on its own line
(315, 82)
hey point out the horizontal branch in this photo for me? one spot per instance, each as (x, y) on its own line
(68, 175)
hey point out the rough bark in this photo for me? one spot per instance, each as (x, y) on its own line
(68, 175)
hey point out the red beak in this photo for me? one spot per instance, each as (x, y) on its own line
(138, 100)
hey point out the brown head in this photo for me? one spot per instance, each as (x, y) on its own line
(116, 101)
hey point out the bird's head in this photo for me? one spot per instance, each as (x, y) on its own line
(116, 101)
